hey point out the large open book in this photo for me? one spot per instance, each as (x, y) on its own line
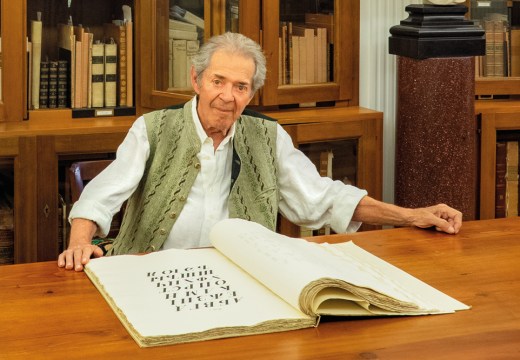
(254, 281)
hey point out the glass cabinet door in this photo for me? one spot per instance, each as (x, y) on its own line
(335, 159)
(312, 52)
(179, 28)
(498, 71)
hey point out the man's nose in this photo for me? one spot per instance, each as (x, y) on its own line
(227, 93)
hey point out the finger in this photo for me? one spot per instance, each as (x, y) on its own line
(87, 252)
(69, 259)
(443, 225)
(61, 260)
(98, 252)
(78, 258)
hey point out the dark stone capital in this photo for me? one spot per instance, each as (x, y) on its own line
(433, 31)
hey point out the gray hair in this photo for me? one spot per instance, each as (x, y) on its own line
(232, 43)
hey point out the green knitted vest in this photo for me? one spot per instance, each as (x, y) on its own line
(171, 170)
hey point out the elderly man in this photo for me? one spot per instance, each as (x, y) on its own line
(183, 169)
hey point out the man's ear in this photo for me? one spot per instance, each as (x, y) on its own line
(193, 77)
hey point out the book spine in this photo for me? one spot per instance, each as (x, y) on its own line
(84, 69)
(171, 70)
(122, 64)
(179, 63)
(111, 74)
(512, 178)
(98, 75)
(77, 80)
(129, 64)
(53, 84)
(63, 83)
(500, 180)
(36, 39)
(89, 70)
(44, 85)
(192, 47)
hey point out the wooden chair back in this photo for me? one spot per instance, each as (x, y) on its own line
(81, 172)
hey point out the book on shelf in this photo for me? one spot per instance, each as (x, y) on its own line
(78, 88)
(283, 68)
(192, 47)
(88, 80)
(500, 179)
(110, 88)
(53, 85)
(67, 53)
(511, 178)
(170, 63)
(29, 73)
(63, 84)
(178, 13)
(129, 63)
(36, 41)
(44, 84)
(118, 32)
(254, 281)
(98, 74)
(515, 52)
(295, 56)
(496, 61)
(85, 72)
(183, 34)
(128, 23)
(179, 61)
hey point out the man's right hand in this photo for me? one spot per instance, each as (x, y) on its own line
(80, 248)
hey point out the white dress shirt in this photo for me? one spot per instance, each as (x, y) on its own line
(306, 198)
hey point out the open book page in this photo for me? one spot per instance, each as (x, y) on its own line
(188, 295)
(375, 273)
(300, 271)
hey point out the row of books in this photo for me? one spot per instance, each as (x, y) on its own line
(506, 181)
(89, 73)
(305, 50)
(502, 58)
(184, 41)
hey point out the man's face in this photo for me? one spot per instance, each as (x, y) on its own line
(225, 90)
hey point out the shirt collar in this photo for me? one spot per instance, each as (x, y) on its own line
(200, 130)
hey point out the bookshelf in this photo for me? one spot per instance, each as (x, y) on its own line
(497, 73)
(497, 119)
(497, 87)
(38, 144)
(263, 21)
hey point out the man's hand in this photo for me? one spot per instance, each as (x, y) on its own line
(80, 248)
(443, 217)
(375, 212)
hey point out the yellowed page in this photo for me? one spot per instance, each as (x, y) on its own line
(290, 266)
(171, 293)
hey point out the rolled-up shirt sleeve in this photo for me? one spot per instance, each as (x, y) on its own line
(308, 199)
(103, 196)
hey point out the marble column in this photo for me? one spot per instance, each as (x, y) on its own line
(436, 140)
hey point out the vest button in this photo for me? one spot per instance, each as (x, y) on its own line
(173, 215)
(162, 232)
(182, 198)
(197, 165)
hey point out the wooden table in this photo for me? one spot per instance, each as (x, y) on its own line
(48, 312)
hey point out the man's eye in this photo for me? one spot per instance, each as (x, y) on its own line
(217, 82)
